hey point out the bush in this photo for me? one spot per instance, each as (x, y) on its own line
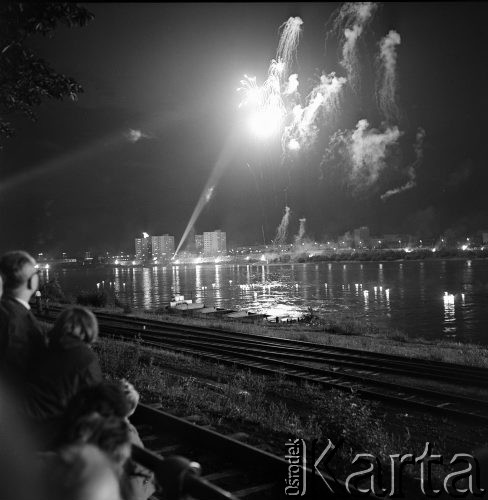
(52, 290)
(93, 299)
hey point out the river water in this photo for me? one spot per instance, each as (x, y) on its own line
(431, 299)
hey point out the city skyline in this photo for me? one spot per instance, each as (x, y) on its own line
(138, 147)
(358, 239)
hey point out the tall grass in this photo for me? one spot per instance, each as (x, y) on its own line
(269, 409)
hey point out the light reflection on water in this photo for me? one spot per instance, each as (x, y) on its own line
(409, 296)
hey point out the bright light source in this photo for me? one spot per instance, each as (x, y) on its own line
(265, 123)
(145, 235)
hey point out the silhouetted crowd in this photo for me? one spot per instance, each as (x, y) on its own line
(64, 431)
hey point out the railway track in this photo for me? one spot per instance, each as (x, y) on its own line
(346, 369)
(231, 468)
(382, 362)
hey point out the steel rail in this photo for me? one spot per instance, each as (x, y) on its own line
(400, 396)
(250, 461)
(179, 477)
(309, 355)
(403, 395)
(292, 343)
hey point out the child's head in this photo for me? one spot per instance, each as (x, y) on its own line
(131, 394)
(109, 434)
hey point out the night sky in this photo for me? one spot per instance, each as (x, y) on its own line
(74, 180)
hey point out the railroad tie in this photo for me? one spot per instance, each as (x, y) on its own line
(246, 492)
(225, 474)
(150, 438)
(442, 405)
(239, 436)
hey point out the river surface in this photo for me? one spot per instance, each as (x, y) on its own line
(431, 299)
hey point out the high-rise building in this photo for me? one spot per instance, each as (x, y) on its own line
(142, 246)
(163, 247)
(214, 243)
(199, 243)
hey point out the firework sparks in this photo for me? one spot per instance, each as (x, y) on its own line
(350, 21)
(274, 104)
(266, 101)
(387, 81)
(288, 44)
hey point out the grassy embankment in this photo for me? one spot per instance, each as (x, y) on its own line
(335, 329)
(271, 409)
(343, 331)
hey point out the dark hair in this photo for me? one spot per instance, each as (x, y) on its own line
(110, 434)
(12, 267)
(108, 399)
(75, 321)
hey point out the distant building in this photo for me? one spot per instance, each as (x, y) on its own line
(484, 237)
(393, 240)
(376, 243)
(142, 247)
(345, 241)
(214, 243)
(361, 237)
(199, 243)
(162, 247)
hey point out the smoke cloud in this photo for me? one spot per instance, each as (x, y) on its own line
(360, 155)
(368, 150)
(134, 135)
(387, 78)
(281, 232)
(292, 85)
(303, 129)
(301, 232)
(350, 21)
(412, 169)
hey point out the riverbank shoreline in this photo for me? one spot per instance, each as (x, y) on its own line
(335, 331)
(359, 257)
